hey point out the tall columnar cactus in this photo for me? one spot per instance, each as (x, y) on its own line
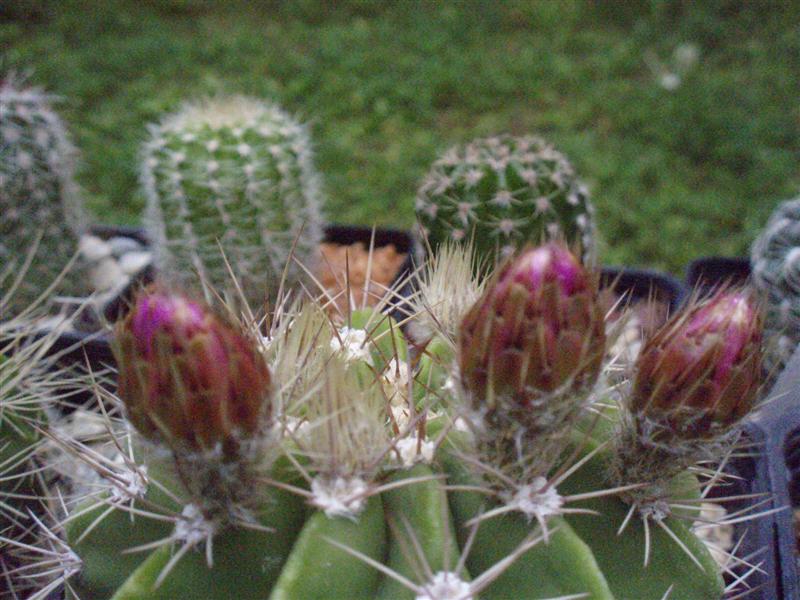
(231, 179)
(38, 196)
(306, 464)
(503, 192)
(775, 262)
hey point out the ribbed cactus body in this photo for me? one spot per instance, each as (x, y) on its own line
(775, 262)
(231, 178)
(38, 196)
(502, 193)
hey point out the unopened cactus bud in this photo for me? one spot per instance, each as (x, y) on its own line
(536, 332)
(188, 378)
(701, 372)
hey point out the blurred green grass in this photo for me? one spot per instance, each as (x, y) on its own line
(388, 85)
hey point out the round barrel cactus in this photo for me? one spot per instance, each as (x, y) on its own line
(775, 262)
(323, 460)
(39, 199)
(231, 187)
(502, 193)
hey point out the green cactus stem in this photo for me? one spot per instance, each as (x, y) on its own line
(231, 179)
(39, 199)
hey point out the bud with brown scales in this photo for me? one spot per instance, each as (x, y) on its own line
(187, 378)
(695, 380)
(530, 352)
(536, 333)
(701, 373)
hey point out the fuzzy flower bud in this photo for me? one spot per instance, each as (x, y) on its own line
(187, 377)
(701, 372)
(537, 332)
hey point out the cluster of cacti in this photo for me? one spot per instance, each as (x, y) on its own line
(775, 262)
(231, 193)
(502, 193)
(38, 196)
(324, 460)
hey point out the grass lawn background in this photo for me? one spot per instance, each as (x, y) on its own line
(674, 174)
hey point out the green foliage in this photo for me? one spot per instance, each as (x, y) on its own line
(388, 86)
(230, 181)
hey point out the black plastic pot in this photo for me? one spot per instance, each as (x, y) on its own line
(644, 284)
(403, 241)
(776, 474)
(710, 272)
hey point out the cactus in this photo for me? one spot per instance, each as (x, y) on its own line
(38, 196)
(503, 192)
(26, 391)
(775, 262)
(307, 463)
(231, 179)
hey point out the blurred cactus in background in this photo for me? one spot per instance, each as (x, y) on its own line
(232, 178)
(38, 196)
(775, 263)
(502, 193)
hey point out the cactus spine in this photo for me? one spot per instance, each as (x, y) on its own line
(231, 178)
(775, 262)
(503, 192)
(38, 195)
(25, 394)
(332, 476)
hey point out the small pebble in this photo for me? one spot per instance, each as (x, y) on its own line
(94, 249)
(121, 245)
(133, 262)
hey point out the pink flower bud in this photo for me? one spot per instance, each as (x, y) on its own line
(188, 378)
(537, 329)
(701, 372)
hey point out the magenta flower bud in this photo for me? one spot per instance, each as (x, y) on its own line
(701, 372)
(188, 378)
(537, 330)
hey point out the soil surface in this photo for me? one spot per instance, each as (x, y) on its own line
(353, 263)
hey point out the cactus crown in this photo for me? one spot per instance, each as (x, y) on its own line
(38, 195)
(775, 262)
(502, 193)
(231, 179)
